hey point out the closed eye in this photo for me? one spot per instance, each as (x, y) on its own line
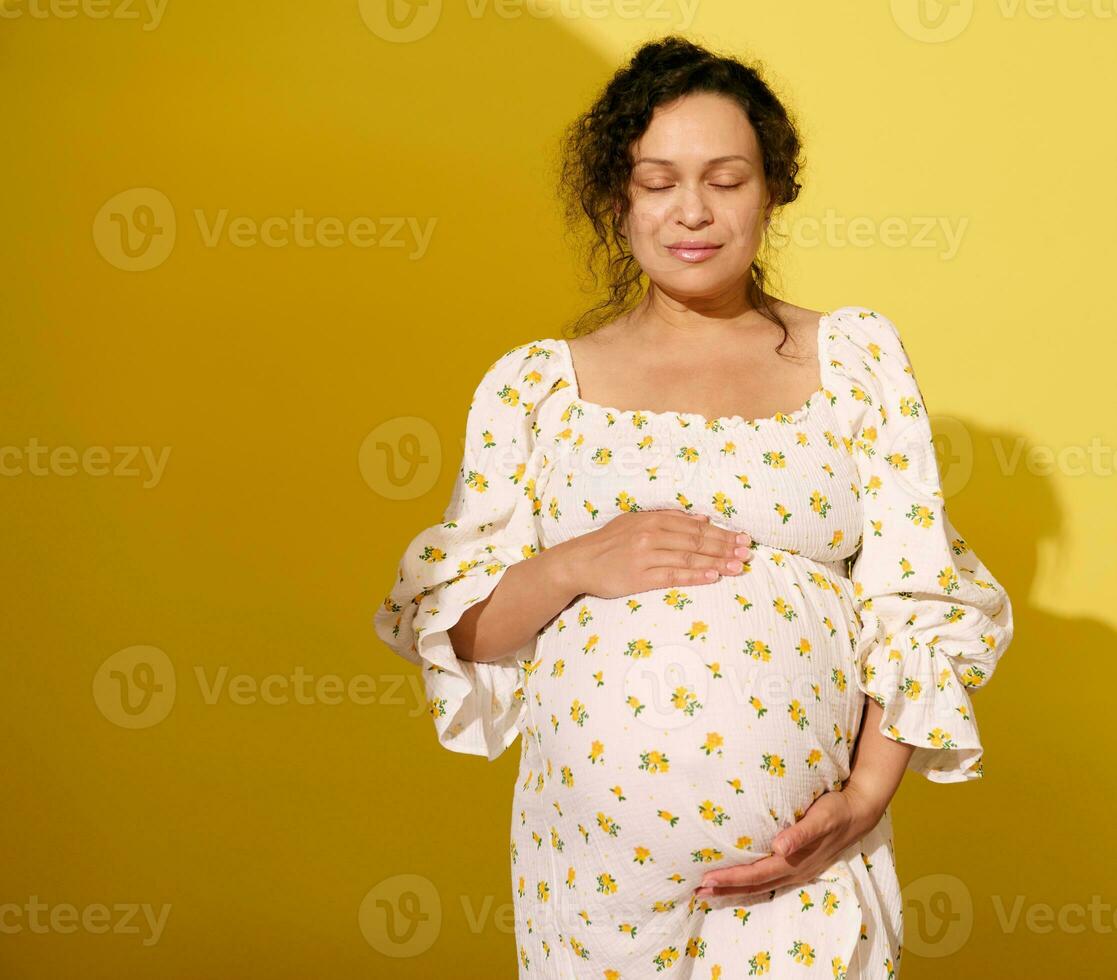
(724, 187)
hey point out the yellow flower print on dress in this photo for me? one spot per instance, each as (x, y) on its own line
(819, 503)
(758, 650)
(696, 947)
(714, 741)
(760, 963)
(773, 765)
(626, 503)
(697, 631)
(606, 883)
(676, 599)
(784, 608)
(802, 952)
(708, 810)
(654, 761)
(722, 504)
(608, 824)
(685, 700)
(578, 713)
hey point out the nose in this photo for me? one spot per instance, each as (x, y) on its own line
(692, 209)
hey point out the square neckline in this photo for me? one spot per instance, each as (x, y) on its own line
(719, 422)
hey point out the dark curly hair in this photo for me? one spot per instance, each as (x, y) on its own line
(596, 162)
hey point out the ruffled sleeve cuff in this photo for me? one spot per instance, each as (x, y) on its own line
(476, 706)
(922, 678)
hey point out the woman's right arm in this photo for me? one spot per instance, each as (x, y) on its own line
(438, 614)
(634, 552)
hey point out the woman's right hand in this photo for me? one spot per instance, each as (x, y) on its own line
(655, 549)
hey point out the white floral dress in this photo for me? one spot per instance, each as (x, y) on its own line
(674, 731)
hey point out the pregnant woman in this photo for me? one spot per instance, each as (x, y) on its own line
(710, 582)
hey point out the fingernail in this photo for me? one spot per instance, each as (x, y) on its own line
(742, 539)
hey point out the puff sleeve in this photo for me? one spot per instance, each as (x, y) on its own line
(934, 621)
(488, 526)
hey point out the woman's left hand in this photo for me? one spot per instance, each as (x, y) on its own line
(802, 851)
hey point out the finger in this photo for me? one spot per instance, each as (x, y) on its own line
(723, 547)
(667, 572)
(756, 889)
(758, 873)
(678, 520)
(708, 553)
(694, 538)
(718, 534)
(685, 561)
(814, 825)
(788, 841)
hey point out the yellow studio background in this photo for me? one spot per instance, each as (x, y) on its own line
(256, 258)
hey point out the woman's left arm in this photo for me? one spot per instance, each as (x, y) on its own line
(932, 621)
(833, 822)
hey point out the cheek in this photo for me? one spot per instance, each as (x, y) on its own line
(646, 233)
(645, 219)
(744, 223)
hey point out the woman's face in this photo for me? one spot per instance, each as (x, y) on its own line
(698, 177)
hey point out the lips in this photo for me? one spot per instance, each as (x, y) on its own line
(693, 251)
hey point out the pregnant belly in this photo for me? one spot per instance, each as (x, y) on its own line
(679, 730)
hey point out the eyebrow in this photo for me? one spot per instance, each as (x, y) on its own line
(671, 163)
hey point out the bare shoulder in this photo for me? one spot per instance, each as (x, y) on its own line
(802, 324)
(606, 335)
